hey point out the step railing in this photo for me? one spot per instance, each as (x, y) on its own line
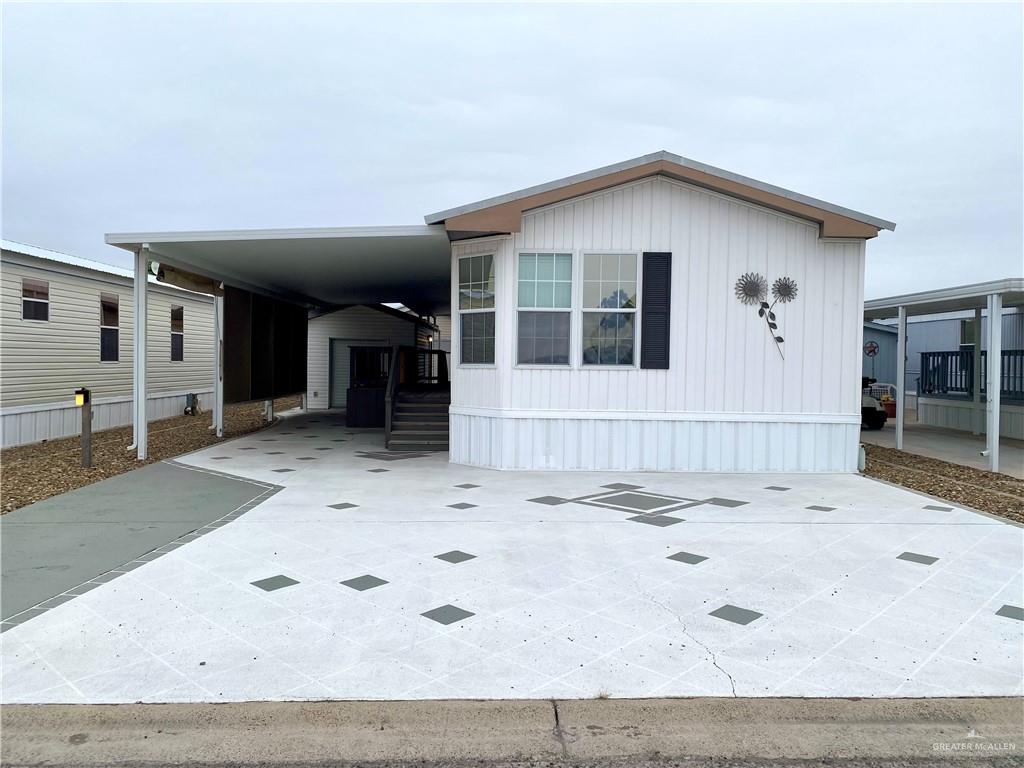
(412, 367)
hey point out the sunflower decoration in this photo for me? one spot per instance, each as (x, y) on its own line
(751, 288)
(784, 290)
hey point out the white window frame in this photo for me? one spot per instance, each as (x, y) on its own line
(25, 298)
(110, 328)
(571, 310)
(635, 365)
(177, 333)
(478, 310)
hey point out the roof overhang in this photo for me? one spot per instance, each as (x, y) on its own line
(504, 213)
(320, 268)
(943, 300)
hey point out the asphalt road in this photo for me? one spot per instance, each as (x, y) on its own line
(599, 733)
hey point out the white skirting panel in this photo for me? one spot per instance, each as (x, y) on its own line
(957, 414)
(30, 424)
(650, 444)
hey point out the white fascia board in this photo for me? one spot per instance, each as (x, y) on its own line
(440, 216)
(130, 240)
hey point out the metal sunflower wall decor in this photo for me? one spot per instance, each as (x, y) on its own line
(752, 289)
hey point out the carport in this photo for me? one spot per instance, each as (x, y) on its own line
(990, 298)
(286, 271)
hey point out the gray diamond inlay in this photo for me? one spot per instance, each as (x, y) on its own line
(937, 508)
(622, 487)
(687, 557)
(913, 557)
(455, 556)
(549, 500)
(307, 458)
(637, 501)
(735, 615)
(447, 614)
(363, 583)
(247, 448)
(467, 485)
(660, 521)
(221, 458)
(343, 505)
(325, 448)
(1011, 612)
(378, 470)
(462, 505)
(818, 508)
(275, 453)
(776, 488)
(719, 502)
(283, 470)
(274, 582)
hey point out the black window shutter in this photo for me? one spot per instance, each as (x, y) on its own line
(655, 311)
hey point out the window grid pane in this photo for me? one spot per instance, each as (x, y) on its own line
(608, 338)
(476, 282)
(109, 345)
(543, 338)
(108, 310)
(609, 281)
(35, 289)
(477, 335)
(35, 310)
(545, 280)
(177, 347)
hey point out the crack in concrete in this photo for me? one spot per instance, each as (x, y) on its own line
(686, 632)
(559, 733)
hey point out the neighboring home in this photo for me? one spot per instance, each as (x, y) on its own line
(67, 322)
(657, 314)
(879, 357)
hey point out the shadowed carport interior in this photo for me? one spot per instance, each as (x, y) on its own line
(318, 267)
(55, 545)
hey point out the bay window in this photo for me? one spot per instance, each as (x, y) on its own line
(476, 309)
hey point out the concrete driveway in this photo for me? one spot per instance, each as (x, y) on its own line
(398, 576)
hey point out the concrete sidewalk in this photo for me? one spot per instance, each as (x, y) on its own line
(594, 732)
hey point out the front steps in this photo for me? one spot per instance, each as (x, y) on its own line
(419, 421)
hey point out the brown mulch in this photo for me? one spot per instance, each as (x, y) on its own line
(989, 492)
(35, 472)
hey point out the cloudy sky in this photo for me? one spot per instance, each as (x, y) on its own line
(122, 117)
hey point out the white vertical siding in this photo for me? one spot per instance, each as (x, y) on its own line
(959, 414)
(723, 361)
(351, 323)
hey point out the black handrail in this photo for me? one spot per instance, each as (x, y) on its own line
(952, 373)
(394, 372)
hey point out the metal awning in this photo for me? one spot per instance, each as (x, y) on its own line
(954, 299)
(410, 265)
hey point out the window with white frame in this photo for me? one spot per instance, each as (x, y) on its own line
(110, 333)
(177, 334)
(545, 308)
(35, 299)
(476, 309)
(609, 308)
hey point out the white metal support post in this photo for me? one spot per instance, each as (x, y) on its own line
(218, 365)
(268, 410)
(901, 375)
(140, 423)
(993, 377)
(978, 415)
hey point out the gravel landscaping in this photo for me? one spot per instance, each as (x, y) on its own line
(31, 473)
(996, 494)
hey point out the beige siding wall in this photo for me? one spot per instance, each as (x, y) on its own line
(43, 362)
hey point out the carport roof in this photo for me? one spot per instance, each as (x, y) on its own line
(955, 299)
(318, 267)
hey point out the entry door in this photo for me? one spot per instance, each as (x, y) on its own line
(340, 375)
